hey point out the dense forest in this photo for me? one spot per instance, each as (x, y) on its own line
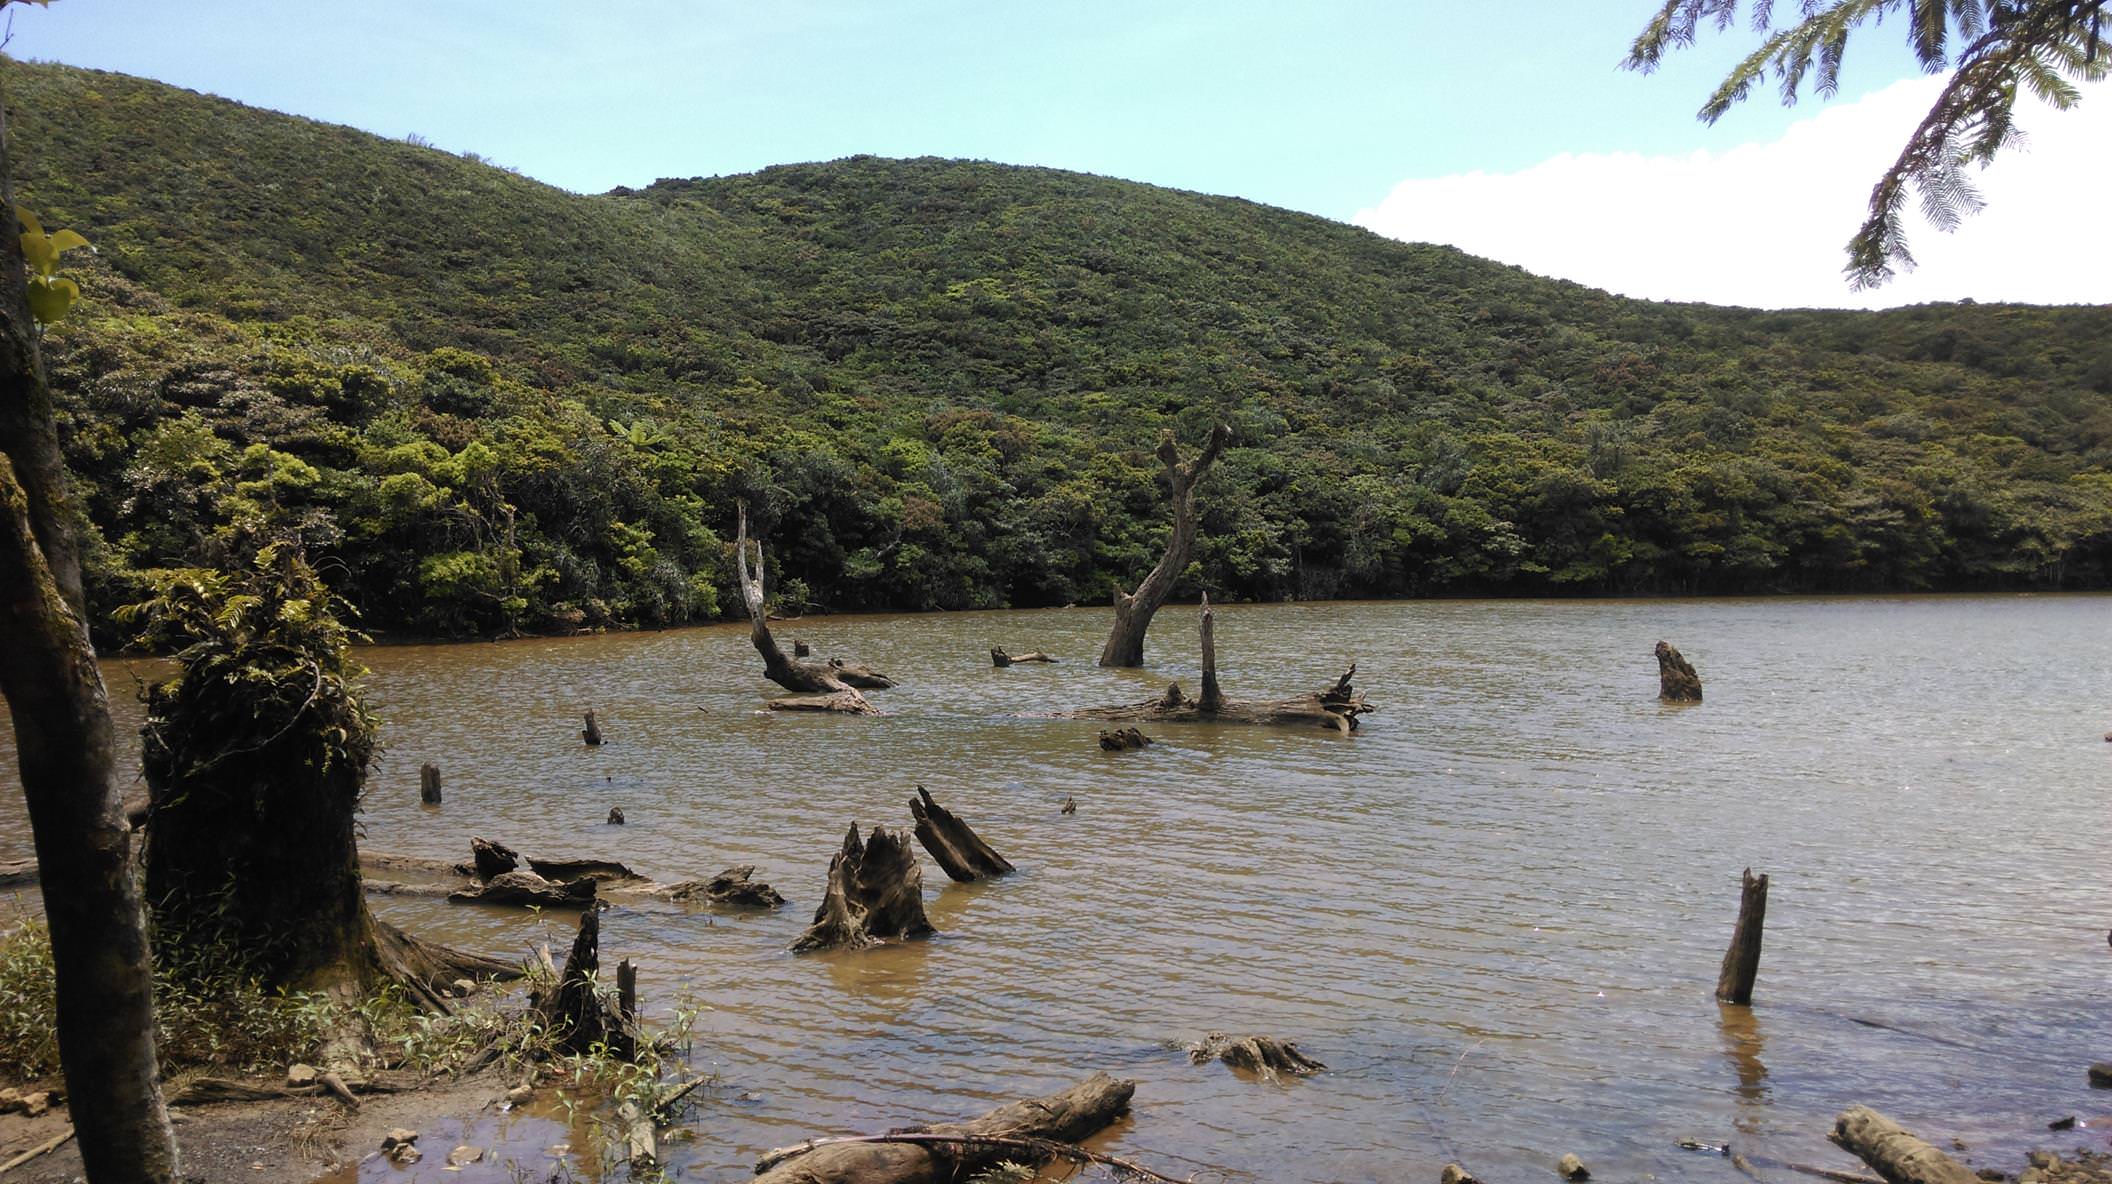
(490, 406)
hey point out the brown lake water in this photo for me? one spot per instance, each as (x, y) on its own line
(1496, 913)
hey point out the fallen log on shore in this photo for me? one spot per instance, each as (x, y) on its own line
(876, 891)
(961, 853)
(1336, 707)
(1036, 1130)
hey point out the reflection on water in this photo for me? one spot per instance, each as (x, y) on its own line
(1496, 913)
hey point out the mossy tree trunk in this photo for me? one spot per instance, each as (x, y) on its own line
(1133, 610)
(255, 757)
(66, 748)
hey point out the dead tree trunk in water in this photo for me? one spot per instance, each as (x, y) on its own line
(998, 657)
(1741, 963)
(1068, 1117)
(1337, 707)
(429, 784)
(1133, 611)
(1213, 698)
(1676, 681)
(961, 853)
(573, 1011)
(875, 891)
(813, 678)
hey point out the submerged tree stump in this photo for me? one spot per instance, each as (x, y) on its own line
(429, 784)
(1893, 1153)
(734, 886)
(1260, 1055)
(876, 892)
(1123, 740)
(960, 1149)
(1741, 962)
(998, 657)
(1676, 681)
(591, 734)
(492, 860)
(573, 1011)
(961, 853)
(836, 681)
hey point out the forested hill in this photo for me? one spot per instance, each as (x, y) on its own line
(491, 405)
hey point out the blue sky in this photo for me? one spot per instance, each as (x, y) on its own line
(1321, 106)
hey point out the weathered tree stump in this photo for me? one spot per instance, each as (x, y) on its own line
(490, 859)
(960, 852)
(959, 1150)
(527, 890)
(833, 680)
(998, 657)
(800, 649)
(734, 886)
(1893, 1153)
(1336, 707)
(572, 1011)
(1741, 962)
(601, 871)
(1123, 740)
(615, 816)
(592, 732)
(1133, 611)
(1261, 1055)
(1070, 806)
(876, 891)
(429, 784)
(1676, 681)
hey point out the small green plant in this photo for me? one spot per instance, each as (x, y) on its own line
(51, 295)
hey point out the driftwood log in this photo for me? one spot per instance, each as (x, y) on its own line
(573, 1011)
(734, 886)
(831, 681)
(1676, 681)
(876, 891)
(1336, 707)
(956, 1150)
(1893, 1153)
(1260, 1055)
(527, 890)
(1133, 610)
(998, 657)
(961, 853)
(1741, 962)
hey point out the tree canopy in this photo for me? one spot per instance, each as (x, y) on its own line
(1994, 51)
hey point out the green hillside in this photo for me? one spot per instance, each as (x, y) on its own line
(491, 405)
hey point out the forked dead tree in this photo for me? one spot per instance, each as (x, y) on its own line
(1336, 707)
(827, 686)
(1133, 610)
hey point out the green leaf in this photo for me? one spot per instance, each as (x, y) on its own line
(50, 299)
(66, 240)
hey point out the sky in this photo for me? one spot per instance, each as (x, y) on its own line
(1505, 129)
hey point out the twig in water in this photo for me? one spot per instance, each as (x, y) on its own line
(1455, 1067)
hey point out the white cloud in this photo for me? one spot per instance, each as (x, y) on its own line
(1764, 224)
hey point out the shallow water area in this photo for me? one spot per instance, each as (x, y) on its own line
(1496, 912)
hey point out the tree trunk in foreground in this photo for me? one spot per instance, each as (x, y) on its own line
(821, 679)
(67, 751)
(66, 748)
(1741, 963)
(1068, 1117)
(1893, 1153)
(1133, 611)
